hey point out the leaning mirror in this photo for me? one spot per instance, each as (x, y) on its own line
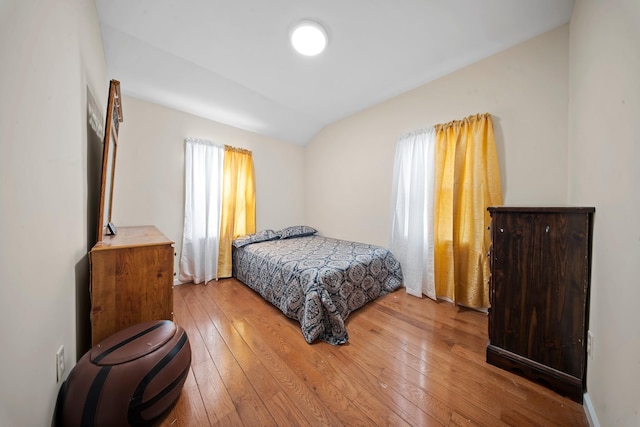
(114, 118)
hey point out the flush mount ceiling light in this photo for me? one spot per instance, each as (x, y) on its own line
(308, 38)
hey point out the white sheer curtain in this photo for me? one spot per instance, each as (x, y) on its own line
(412, 211)
(202, 208)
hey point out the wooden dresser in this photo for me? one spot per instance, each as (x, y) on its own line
(131, 280)
(539, 294)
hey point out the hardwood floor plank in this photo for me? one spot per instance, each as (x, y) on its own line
(422, 388)
(217, 401)
(343, 377)
(263, 378)
(246, 401)
(182, 317)
(409, 361)
(327, 378)
(285, 412)
(416, 357)
(368, 378)
(464, 350)
(231, 420)
(446, 375)
(189, 410)
(295, 387)
(319, 373)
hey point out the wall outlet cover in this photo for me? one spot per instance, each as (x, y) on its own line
(59, 363)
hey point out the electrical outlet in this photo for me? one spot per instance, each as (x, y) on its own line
(590, 342)
(59, 363)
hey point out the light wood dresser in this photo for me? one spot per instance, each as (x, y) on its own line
(131, 280)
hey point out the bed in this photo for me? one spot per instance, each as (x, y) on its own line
(315, 280)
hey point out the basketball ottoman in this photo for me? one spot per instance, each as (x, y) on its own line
(132, 378)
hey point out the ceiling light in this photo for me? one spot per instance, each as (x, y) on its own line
(308, 38)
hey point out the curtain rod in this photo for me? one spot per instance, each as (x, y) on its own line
(470, 118)
(239, 150)
(439, 126)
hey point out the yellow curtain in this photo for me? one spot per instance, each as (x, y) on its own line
(238, 203)
(467, 181)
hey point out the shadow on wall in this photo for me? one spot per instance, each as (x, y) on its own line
(95, 137)
(500, 148)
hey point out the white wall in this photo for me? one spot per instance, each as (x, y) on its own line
(604, 151)
(50, 51)
(349, 165)
(149, 178)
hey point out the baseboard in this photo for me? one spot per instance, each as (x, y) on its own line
(589, 411)
(561, 382)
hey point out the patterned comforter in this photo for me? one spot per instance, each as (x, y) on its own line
(317, 280)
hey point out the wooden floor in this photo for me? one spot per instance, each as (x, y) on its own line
(409, 362)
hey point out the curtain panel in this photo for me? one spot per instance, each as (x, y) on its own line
(202, 206)
(412, 218)
(462, 181)
(238, 215)
(467, 182)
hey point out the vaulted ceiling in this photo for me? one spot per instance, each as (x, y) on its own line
(231, 61)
